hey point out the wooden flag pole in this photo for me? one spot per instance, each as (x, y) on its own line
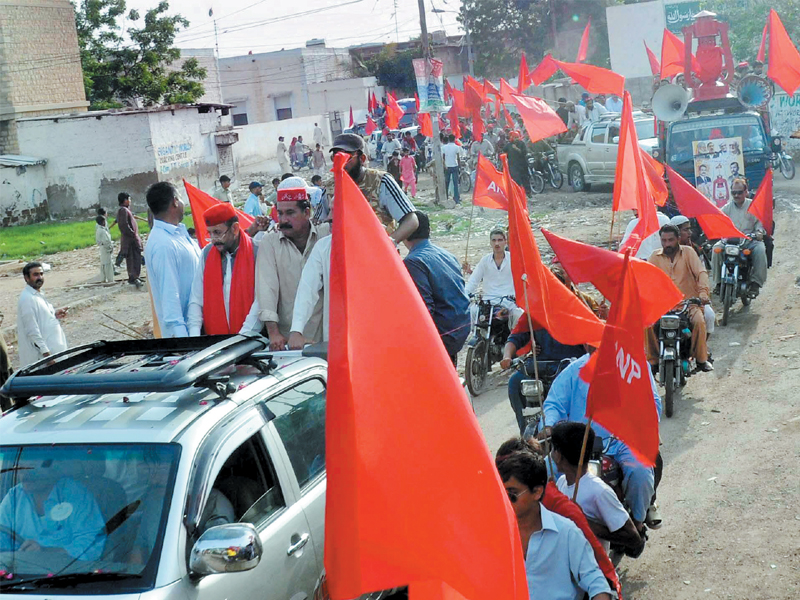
(581, 459)
(469, 231)
(611, 234)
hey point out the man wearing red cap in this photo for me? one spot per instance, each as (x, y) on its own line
(223, 292)
(281, 257)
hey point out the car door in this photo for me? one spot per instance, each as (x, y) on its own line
(612, 149)
(596, 151)
(259, 491)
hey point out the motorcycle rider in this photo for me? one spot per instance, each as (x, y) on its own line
(566, 401)
(685, 228)
(484, 146)
(689, 274)
(737, 209)
(494, 270)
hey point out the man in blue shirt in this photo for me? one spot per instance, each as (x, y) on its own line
(172, 259)
(252, 205)
(437, 275)
(559, 562)
(566, 401)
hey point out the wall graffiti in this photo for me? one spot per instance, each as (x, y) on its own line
(174, 156)
(784, 113)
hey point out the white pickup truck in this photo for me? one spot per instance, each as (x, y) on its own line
(592, 156)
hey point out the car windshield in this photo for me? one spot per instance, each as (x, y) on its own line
(84, 509)
(644, 129)
(683, 133)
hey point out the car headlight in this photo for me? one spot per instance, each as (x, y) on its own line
(732, 250)
(671, 322)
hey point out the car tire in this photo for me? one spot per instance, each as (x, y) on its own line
(577, 179)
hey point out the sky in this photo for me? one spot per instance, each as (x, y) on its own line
(271, 25)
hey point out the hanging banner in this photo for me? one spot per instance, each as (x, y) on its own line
(430, 85)
(716, 164)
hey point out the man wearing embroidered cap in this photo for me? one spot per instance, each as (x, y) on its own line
(281, 257)
(223, 291)
(383, 193)
(685, 228)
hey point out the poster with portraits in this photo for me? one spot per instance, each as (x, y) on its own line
(717, 163)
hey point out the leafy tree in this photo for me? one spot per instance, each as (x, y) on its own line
(117, 72)
(393, 68)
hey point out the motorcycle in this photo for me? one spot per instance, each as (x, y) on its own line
(537, 180)
(784, 162)
(675, 361)
(734, 275)
(485, 347)
(535, 390)
(552, 173)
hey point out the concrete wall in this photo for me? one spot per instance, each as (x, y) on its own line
(630, 25)
(340, 95)
(22, 195)
(784, 112)
(206, 59)
(255, 152)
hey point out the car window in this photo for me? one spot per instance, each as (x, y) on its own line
(246, 485)
(613, 132)
(599, 134)
(300, 421)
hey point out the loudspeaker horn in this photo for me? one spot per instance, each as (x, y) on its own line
(670, 102)
(754, 92)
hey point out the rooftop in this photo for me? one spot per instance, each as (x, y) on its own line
(203, 107)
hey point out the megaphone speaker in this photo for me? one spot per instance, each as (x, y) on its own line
(670, 102)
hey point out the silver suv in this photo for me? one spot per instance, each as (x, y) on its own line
(180, 468)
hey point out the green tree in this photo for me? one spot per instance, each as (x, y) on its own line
(393, 68)
(117, 71)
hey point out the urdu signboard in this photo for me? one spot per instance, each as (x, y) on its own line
(680, 14)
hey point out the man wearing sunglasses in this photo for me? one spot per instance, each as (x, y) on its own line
(383, 193)
(559, 562)
(738, 210)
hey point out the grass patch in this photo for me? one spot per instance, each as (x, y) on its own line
(31, 241)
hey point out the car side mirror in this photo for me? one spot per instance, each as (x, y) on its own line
(776, 144)
(615, 139)
(230, 548)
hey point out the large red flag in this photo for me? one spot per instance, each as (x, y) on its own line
(620, 393)
(489, 186)
(762, 49)
(655, 178)
(583, 48)
(425, 124)
(714, 223)
(375, 475)
(784, 60)
(200, 202)
(371, 126)
(473, 96)
(631, 182)
(544, 70)
(523, 81)
(540, 120)
(596, 80)
(506, 91)
(602, 268)
(655, 68)
(394, 112)
(552, 305)
(673, 59)
(488, 88)
(762, 204)
(460, 102)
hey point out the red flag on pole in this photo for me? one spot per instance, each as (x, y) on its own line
(523, 82)
(200, 202)
(673, 56)
(506, 91)
(620, 393)
(460, 102)
(784, 60)
(394, 112)
(762, 205)
(602, 268)
(473, 96)
(596, 80)
(507, 116)
(489, 186)
(370, 103)
(416, 101)
(540, 120)
(552, 305)
(655, 68)
(455, 126)
(352, 121)
(655, 178)
(714, 223)
(488, 88)
(544, 70)
(583, 48)
(762, 49)
(374, 477)
(425, 124)
(371, 126)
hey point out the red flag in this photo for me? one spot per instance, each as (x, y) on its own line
(352, 121)
(552, 305)
(762, 49)
(473, 96)
(506, 91)
(416, 101)
(784, 60)
(370, 103)
(655, 68)
(620, 393)
(507, 117)
(583, 48)
(394, 112)
(478, 126)
(455, 126)
(673, 58)
(602, 268)
(200, 202)
(762, 205)
(540, 120)
(544, 70)
(655, 178)
(489, 186)
(425, 124)
(715, 223)
(460, 102)
(371, 126)
(448, 90)
(596, 80)
(374, 477)
(488, 88)
(523, 82)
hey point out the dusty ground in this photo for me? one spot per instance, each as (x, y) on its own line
(730, 495)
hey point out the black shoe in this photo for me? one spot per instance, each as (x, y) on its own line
(705, 367)
(753, 289)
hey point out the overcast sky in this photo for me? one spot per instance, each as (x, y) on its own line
(270, 25)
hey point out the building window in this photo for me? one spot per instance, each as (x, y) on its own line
(240, 119)
(283, 107)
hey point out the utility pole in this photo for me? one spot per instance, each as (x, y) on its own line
(438, 165)
(470, 60)
(216, 57)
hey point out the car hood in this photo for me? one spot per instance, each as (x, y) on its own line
(648, 144)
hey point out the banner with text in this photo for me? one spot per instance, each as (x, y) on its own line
(716, 164)
(430, 85)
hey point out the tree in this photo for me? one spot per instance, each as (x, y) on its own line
(117, 72)
(393, 69)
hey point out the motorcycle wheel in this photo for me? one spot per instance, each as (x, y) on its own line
(464, 182)
(728, 296)
(787, 167)
(669, 387)
(537, 182)
(476, 369)
(556, 178)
